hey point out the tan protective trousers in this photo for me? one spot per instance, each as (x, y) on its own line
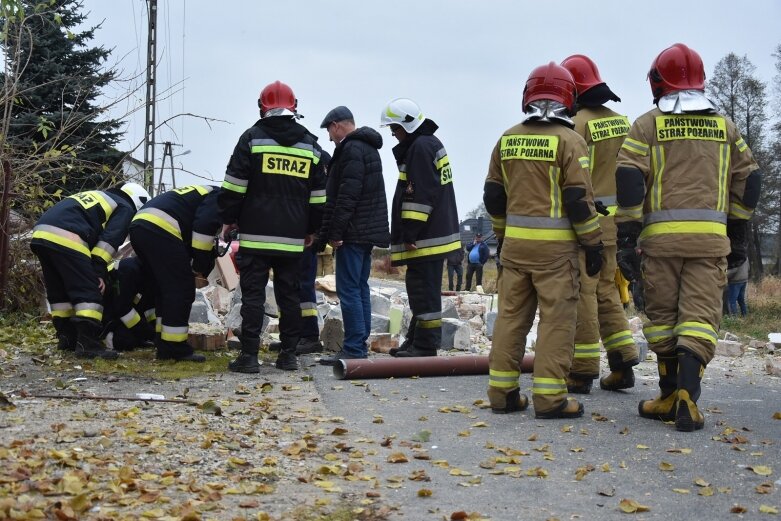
(600, 315)
(683, 303)
(521, 288)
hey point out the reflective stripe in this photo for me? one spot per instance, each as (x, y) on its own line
(202, 241)
(62, 309)
(555, 192)
(424, 208)
(587, 226)
(269, 242)
(619, 339)
(683, 227)
(700, 214)
(234, 188)
(236, 181)
(137, 298)
(264, 146)
(724, 162)
(548, 223)
(104, 250)
(160, 219)
(149, 314)
(697, 330)
(738, 211)
(131, 318)
(533, 234)
(742, 146)
(317, 197)
(308, 309)
(158, 324)
(548, 385)
(632, 212)
(429, 324)
(62, 237)
(498, 223)
(658, 164)
(503, 379)
(635, 146)
(587, 350)
(174, 334)
(656, 334)
(89, 310)
(415, 216)
(403, 172)
(611, 211)
(426, 247)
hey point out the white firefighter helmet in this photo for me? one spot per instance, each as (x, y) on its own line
(404, 112)
(137, 193)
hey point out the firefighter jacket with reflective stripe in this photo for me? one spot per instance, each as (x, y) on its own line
(93, 223)
(188, 214)
(695, 168)
(424, 204)
(274, 187)
(538, 164)
(604, 132)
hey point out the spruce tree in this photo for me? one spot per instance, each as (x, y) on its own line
(57, 79)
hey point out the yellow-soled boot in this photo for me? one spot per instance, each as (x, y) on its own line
(663, 406)
(577, 384)
(621, 375)
(688, 417)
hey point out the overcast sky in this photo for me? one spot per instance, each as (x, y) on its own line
(464, 62)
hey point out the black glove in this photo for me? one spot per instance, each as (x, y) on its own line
(601, 208)
(593, 259)
(738, 241)
(629, 263)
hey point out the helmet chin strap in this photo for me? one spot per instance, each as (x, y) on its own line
(548, 111)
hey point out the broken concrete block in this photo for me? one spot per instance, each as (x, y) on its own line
(219, 298)
(394, 319)
(730, 337)
(476, 323)
(490, 320)
(271, 301)
(729, 348)
(380, 323)
(382, 342)
(332, 334)
(202, 312)
(380, 303)
(450, 326)
(449, 309)
(462, 340)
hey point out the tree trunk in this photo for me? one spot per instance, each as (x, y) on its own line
(755, 253)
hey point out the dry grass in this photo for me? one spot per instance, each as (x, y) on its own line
(764, 311)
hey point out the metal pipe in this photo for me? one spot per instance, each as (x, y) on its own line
(419, 366)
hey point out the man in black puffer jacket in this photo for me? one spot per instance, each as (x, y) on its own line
(354, 221)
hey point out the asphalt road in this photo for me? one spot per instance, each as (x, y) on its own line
(509, 467)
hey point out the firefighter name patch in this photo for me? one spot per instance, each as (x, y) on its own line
(690, 126)
(529, 147)
(286, 165)
(606, 128)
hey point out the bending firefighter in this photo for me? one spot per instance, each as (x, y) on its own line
(686, 185)
(75, 240)
(600, 312)
(541, 203)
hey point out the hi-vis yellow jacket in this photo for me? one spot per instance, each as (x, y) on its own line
(604, 132)
(695, 168)
(534, 164)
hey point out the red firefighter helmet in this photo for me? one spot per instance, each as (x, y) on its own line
(277, 95)
(550, 82)
(584, 71)
(676, 68)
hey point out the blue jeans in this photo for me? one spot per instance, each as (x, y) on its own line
(736, 296)
(353, 264)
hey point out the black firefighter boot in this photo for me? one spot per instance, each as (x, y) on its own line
(579, 383)
(688, 417)
(247, 361)
(66, 333)
(88, 344)
(286, 360)
(663, 406)
(621, 375)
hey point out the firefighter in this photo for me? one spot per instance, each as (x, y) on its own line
(75, 240)
(600, 312)
(687, 184)
(174, 237)
(424, 221)
(273, 194)
(541, 204)
(309, 342)
(128, 306)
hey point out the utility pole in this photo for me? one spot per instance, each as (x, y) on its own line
(151, 94)
(167, 152)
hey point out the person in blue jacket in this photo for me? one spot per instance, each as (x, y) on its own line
(477, 257)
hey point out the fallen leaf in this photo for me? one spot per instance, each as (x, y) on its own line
(701, 482)
(680, 451)
(424, 492)
(630, 506)
(767, 509)
(761, 470)
(398, 457)
(607, 492)
(777, 415)
(706, 491)
(682, 490)
(209, 407)
(422, 436)
(764, 488)
(338, 431)
(642, 447)
(666, 467)
(738, 509)
(480, 424)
